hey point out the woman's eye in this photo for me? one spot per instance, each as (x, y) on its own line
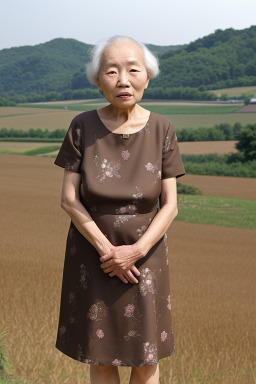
(111, 72)
(134, 70)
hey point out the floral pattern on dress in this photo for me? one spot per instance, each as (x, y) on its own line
(70, 165)
(72, 233)
(140, 231)
(120, 219)
(129, 309)
(150, 352)
(164, 336)
(154, 168)
(132, 334)
(139, 194)
(100, 333)
(125, 154)
(127, 209)
(96, 311)
(167, 144)
(116, 362)
(107, 168)
(73, 250)
(71, 297)
(77, 138)
(166, 248)
(80, 355)
(147, 282)
(62, 330)
(169, 302)
(84, 275)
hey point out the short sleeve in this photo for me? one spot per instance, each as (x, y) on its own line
(70, 153)
(172, 165)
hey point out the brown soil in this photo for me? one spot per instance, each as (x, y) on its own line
(202, 147)
(212, 283)
(248, 109)
(222, 186)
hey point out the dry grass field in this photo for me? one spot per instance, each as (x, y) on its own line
(26, 118)
(212, 283)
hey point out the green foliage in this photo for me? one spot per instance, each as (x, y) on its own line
(188, 189)
(218, 165)
(32, 133)
(219, 60)
(177, 93)
(247, 142)
(4, 364)
(220, 132)
(6, 103)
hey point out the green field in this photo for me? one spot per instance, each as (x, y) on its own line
(40, 151)
(217, 211)
(162, 109)
(235, 92)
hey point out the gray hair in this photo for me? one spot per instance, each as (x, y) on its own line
(93, 67)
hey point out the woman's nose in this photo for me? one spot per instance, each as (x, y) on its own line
(123, 79)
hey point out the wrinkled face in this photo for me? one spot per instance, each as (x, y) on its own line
(123, 75)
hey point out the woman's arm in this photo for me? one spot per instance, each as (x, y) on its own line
(163, 218)
(70, 202)
(125, 256)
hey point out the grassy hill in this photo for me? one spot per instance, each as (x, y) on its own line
(222, 59)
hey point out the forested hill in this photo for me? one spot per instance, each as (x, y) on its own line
(40, 68)
(219, 60)
(222, 59)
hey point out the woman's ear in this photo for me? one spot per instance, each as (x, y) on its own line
(98, 84)
(146, 85)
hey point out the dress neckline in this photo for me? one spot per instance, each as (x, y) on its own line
(121, 134)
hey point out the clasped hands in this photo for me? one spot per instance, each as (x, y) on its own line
(120, 262)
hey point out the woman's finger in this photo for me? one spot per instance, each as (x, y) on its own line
(105, 257)
(131, 277)
(135, 270)
(121, 277)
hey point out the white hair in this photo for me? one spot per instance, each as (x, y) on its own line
(93, 67)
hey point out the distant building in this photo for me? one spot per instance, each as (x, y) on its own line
(253, 100)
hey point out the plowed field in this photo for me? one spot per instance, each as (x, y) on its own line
(203, 147)
(212, 273)
(222, 186)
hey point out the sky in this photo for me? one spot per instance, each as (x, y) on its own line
(160, 22)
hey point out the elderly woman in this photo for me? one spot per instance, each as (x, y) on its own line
(121, 163)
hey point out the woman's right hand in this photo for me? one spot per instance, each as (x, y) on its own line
(127, 276)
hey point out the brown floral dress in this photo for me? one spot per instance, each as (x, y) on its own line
(102, 320)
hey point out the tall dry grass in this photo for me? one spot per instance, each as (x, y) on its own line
(212, 273)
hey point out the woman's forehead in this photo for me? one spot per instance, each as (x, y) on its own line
(130, 53)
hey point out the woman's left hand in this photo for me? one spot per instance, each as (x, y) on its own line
(120, 259)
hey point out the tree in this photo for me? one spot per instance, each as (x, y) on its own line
(247, 142)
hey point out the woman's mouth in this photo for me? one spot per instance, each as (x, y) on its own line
(124, 95)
